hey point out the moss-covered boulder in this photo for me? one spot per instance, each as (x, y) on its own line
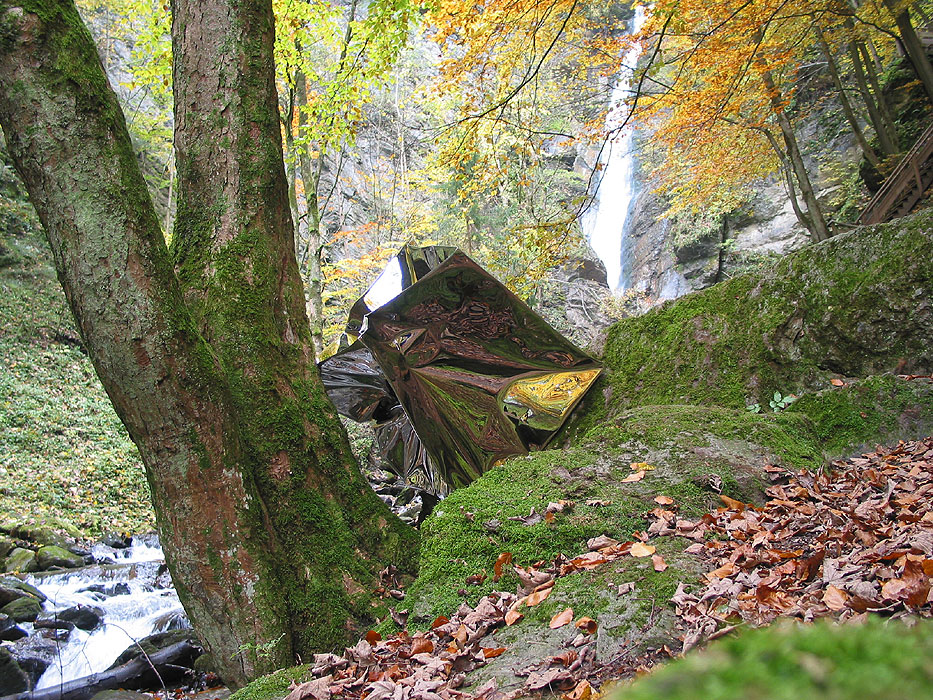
(12, 678)
(51, 556)
(12, 588)
(856, 305)
(22, 609)
(6, 546)
(20, 560)
(792, 661)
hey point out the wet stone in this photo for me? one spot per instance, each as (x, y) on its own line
(9, 630)
(22, 609)
(12, 678)
(85, 617)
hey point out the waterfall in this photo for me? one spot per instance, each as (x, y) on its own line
(605, 222)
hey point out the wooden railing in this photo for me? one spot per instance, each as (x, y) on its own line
(906, 185)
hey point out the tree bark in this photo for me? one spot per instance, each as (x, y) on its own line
(311, 179)
(818, 229)
(271, 533)
(912, 45)
(867, 150)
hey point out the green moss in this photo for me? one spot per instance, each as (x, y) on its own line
(874, 410)
(274, 686)
(847, 306)
(790, 661)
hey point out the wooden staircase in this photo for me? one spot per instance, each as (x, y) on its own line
(904, 187)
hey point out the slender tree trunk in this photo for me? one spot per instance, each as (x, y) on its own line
(912, 44)
(883, 108)
(311, 179)
(867, 150)
(271, 533)
(886, 138)
(819, 231)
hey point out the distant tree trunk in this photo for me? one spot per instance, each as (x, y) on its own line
(814, 221)
(272, 535)
(311, 179)
(912, 45)
(867, 81)
(867, 150)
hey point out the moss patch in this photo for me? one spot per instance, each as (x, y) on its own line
(855, 305)
(275, 685)
(791, 661)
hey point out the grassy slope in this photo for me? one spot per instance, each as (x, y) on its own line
(63, 452)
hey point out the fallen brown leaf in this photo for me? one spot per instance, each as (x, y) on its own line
(659, 563)
(631, 478)
(663, 500)
(504, 559)
(587, 625)
(537, 597)
(512, 616)
(639, 549)
(561, 619)
(491, 653)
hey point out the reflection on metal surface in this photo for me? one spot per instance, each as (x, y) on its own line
(544, 401)
(457, 371)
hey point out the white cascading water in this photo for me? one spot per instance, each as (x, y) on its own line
(137, 609)
(605, 221)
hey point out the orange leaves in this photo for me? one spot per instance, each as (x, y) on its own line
(587, 625)
(854, 539)
(639, 549)
(513, 616)
(504, 559)
(562, 618)
(539, 596)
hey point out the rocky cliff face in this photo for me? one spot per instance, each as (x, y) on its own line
(662, 268)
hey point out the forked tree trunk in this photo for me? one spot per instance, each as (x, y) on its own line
(272, 535)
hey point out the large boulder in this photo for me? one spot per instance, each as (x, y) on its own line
(35, 654)
(20, 560)
(856, 305)
(12, 588)
(25, 609)
(51, 556)
(12, 678)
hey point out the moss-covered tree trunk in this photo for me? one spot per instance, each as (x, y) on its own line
(272, 535)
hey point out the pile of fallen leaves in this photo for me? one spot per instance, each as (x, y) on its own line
(853, 540)
(433, 665)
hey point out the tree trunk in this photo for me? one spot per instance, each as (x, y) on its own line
(912, 45)
(311, 179)
(867, 150)
(819, 231)
(272, 535)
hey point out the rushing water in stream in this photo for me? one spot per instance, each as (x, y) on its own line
(605, 222)
(137, 600)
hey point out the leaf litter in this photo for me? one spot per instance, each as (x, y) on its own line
(853, 540)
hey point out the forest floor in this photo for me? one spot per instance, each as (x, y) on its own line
(65, 458)
(852, 544)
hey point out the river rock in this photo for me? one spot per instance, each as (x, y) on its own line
(116, 541)
(12, 678)
(12, 588)
(85, 617)
(22, 609)
(108, 590)
(34, 654)
(51, 556)
(6, 546)
(52, 621)
(154, 643)
(9, 630)
(21, 560)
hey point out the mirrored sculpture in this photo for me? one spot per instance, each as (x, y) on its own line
(455, 370)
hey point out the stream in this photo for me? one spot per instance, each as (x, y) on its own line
(135, 595)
